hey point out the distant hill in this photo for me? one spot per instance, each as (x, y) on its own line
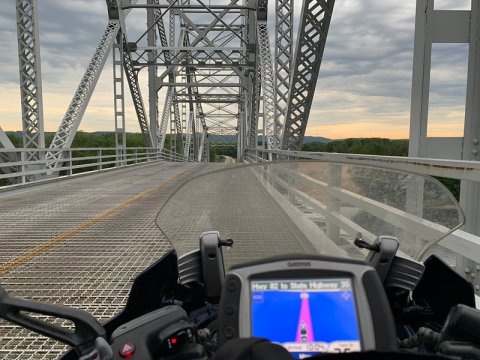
(233, 139)
(309, 139)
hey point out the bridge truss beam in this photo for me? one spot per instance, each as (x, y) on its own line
(312, 36)
(271, 126)
(30, 78)
(204, 63)
(283, 58)
(66, 132)
(218, 75)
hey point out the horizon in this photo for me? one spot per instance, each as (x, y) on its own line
(306, 136)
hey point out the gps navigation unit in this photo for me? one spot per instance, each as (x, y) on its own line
(307, 304)
(317, 315)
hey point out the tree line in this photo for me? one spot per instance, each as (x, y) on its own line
(370, 146)
(85, 139)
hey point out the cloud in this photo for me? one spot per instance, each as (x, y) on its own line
(364, 86)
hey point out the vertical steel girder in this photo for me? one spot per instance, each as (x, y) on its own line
(206, 147)
(266, 68)
(152, 75)
(201, 125)
(254, 108)
(30, 77)
(312, 36)
(162, 129)
(119, 100)
(198, 118)
(133, 84)
(131, 74)
(283, 57)
(69, 125)
(188, 137)
(177, 125)
(201, 148)
(183, 114)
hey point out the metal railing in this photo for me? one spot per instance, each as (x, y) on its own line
(463, 246)
(75, 161)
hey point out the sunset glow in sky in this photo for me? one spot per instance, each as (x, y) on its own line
(363, 89)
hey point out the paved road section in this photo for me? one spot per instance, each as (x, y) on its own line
(81, 242)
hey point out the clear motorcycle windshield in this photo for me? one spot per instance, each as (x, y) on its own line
(309, 207)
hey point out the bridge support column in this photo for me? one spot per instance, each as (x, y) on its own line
(448, 26)
(30, 82)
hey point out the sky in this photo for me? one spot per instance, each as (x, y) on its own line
(363, 90)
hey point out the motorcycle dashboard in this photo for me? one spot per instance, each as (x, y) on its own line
(308, 304)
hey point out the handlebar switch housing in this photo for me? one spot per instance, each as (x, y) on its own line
(156, 335)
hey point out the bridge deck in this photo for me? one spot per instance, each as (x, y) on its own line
(80, 242)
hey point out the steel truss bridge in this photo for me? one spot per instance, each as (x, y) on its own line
(210, 72)
(214, 71)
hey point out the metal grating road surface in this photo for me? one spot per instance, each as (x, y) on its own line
(80, 243)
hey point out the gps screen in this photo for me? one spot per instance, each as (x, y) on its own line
(306, 316)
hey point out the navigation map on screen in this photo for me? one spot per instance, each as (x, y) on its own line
(306, 316)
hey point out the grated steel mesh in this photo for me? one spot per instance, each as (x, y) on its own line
(105, 234)
(93, 266)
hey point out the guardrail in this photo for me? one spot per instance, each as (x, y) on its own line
(464, 247)
(76, 160)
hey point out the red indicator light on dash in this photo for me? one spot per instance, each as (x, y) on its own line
(127, 350)
(173, 341)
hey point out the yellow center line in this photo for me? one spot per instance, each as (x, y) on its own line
(59, 239)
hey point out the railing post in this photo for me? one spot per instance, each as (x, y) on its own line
(333, 204)
(414, 205)
(70, 162)
(99, 160)
(136, 155)
(23, 167)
